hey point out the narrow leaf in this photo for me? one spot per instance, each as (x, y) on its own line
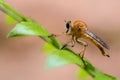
(61, 57)
(10, 20)
(28, 29)
(82, 74)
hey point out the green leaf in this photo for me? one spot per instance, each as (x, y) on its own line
(28, 29)
(10, 20)
(60, 57)
(48, 48)
(82, 74)
(54, 61)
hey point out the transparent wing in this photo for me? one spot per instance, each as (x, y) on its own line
(97, 39)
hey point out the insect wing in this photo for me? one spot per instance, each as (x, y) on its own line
(100, 41)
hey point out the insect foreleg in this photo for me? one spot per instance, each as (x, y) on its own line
(70, 43)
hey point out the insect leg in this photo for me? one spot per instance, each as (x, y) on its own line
(68, 43)
(97, 41)
(60, 34)
(84, 44)
(55, 35)
(82, 52)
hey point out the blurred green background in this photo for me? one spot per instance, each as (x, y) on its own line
(22, 57)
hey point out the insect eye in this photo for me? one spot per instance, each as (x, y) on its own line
(79, 29)
(68, 24)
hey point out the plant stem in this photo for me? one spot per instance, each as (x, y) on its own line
(11, 12)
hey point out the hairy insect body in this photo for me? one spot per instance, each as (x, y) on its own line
(79, 30)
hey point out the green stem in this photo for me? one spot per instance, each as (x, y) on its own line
(11, 12)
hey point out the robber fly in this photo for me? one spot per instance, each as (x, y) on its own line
(79, 30)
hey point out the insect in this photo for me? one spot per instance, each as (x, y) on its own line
(79, 30)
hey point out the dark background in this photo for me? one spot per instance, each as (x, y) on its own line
(21, 58)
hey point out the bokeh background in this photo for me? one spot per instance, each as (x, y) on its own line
(21, 58)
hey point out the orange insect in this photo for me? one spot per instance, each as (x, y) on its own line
(79, 30)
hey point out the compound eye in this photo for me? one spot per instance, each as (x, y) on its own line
(79, 29)
(68, 24)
